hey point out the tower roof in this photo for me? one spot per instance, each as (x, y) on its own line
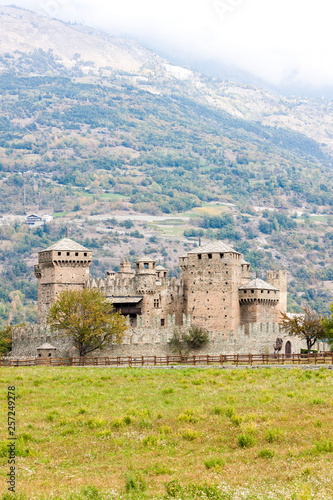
(258, 284)
(67, 244)
(216, 247)
(146, 259)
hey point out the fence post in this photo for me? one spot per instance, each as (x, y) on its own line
(154, 360)
(168, 360)
(237, 359)
(207, 359)
(315, 358)
(194, 359)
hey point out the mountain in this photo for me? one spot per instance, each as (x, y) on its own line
(97, 126)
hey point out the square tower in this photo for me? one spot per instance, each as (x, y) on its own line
(212, 275)
(62, 266)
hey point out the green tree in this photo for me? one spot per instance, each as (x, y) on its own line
(6, 340)
(88, 317)
(183, 341)
(308, 326)
(328, 326)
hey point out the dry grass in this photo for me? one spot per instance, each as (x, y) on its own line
(103, 433)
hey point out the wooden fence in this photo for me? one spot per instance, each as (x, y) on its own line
(203, 360)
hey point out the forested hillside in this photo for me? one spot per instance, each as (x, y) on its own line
(125, 132)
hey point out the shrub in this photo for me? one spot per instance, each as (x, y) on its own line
(245, 440)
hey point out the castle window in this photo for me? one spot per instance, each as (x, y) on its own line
(245, 291)
(85, 254)
(262, 291)
(145, 266)
(199, 256)
(268, 291)
(157, 303)
(252, 291)
(221, 255)
(59, 253)
(76, 254)
(162, 322)
(68, 254)
(210, 256)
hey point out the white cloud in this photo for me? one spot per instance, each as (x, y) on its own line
(276, 40)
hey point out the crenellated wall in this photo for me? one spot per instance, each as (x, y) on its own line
(143, 341)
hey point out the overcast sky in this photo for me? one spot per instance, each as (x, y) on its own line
(279, 41)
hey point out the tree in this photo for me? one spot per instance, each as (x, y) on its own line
(6, 340)
(87, 317)
(183, 341)
(308, 326)
(328, 326)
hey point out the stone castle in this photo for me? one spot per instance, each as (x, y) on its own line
(215, 292)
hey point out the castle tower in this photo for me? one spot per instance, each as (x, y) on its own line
(62, 266)
(246, 271)
(125, 270)
(279, 280)
(212, 275)
(258, 301)
(145, 275)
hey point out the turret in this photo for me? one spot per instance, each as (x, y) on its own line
(145, 275)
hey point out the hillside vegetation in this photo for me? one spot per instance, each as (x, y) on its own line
(93, 125)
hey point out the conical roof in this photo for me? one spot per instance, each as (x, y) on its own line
(69, 245)
(258, 284)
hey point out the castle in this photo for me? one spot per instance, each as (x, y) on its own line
(215, 292)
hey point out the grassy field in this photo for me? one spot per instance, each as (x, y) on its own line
(103, 433)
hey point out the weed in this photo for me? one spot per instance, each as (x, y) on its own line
(214, 463)
(169, 390)
(274, 435)
(245, 440)
(230, 411)
(187, 416)
(150, 441)
(189, 434)
(236, 419)
(134, 483)
(324, 446)
(265, 453)
(218, 410)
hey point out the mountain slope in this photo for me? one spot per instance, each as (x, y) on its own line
(95, 126)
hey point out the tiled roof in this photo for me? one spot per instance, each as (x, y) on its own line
(258, 284)
(216, 247)
(161, 268)
(46, 346)
(67, 244)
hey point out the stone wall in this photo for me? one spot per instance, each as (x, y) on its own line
(143, 341)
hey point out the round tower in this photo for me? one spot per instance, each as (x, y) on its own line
(62, 266)
(145, 275)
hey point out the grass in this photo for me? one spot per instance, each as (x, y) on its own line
(103, 433)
